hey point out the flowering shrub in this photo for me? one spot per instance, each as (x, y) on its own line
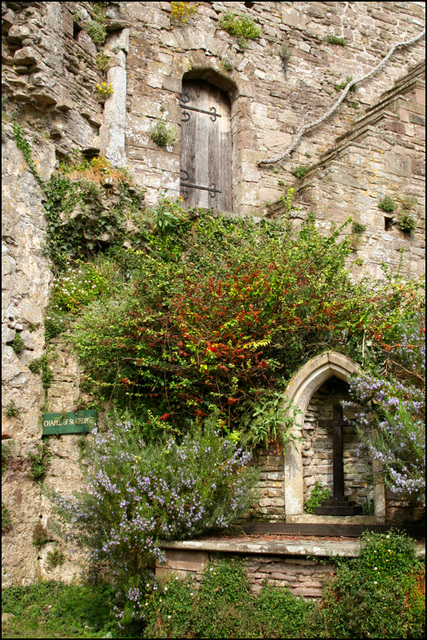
(137, 493)
(390, 414)
(76, 287)
(220, 311)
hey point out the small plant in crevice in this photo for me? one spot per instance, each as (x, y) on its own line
(12, 411)
(387, 204)
(18, 344)
(285, 55)
(227, 64)
(42, 365)
(40, 535)
(355, 105)
(6, 455)
(181, 12)
(102, 60)
(337, 40)
(39, 462)
(240, 26)
(24, 146)
(163, 134)
(55, 558)
(318, 495)
(300, 171)
(406, 222)
(94, 26)
(358, 228)
(104, 90)
(339, 86)
(96, 31)
(6, 518)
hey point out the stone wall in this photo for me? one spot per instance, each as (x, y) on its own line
(49, 78)
(302, 565)
(303, 576)
(383, 154)
(268, 103)
(270, 502)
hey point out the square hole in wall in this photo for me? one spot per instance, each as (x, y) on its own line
(388, 223)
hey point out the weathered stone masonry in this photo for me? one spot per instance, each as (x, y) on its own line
(357, 156)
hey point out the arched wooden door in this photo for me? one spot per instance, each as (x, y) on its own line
(205, 146)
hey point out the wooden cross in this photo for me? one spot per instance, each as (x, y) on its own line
(338, 467)
(338, 504)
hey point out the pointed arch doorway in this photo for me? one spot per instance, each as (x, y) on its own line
(300, 390)
(206, 148)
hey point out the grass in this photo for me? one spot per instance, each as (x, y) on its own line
(51, 609)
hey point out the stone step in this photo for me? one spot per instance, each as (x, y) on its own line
(338, 510)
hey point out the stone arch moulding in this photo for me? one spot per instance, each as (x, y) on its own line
(300, 390)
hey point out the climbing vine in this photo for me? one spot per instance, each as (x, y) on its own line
(348, 87)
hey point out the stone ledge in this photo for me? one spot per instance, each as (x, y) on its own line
(313, 548)
(295, 548)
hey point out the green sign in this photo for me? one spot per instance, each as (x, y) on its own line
(72, 422)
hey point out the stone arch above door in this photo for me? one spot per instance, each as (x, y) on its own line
(300, 389)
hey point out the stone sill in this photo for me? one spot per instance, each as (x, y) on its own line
(329, 549)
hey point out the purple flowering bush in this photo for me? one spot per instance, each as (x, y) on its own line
(138, 493)
(390, 413)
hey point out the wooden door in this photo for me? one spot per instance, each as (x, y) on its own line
(205, 146)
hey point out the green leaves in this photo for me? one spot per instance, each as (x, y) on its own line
(208, 309)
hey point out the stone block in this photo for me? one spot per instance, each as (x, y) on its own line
(418, 167)
(285, 577)
(190, 560)
(307, 592)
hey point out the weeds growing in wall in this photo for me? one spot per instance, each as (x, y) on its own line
(241, 26)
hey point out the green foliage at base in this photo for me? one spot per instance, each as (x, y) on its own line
(224, 607)
(378, 595)
(51, 609)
